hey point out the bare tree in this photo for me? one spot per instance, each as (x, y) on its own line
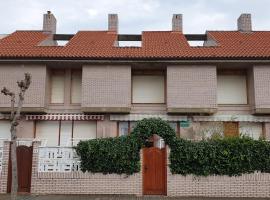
(15, 118)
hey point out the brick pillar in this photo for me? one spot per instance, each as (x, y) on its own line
(4, 173)
(36, 145)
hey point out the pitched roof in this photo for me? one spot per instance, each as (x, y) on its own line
(155, 45)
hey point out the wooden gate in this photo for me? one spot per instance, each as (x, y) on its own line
(24, 163)
(154, 171)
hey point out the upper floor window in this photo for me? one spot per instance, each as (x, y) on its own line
(148, 88)
(58, 87)
(232, 87)
(66, 86)
(76, 87)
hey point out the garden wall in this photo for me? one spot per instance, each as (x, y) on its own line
(4, 170)
(82, 183)
(247, 185)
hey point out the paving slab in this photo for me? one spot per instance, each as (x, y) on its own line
(116, 197)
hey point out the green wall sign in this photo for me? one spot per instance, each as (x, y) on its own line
(184, 124)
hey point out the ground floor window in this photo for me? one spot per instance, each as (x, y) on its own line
(251, 129)
(228, 129)
(125, 127)
(5, 129)
(65, 133)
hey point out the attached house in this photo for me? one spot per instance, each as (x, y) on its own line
(97, 84)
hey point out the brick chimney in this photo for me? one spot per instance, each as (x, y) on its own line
(244, 23)
(113, 22)
(49, 22)
(177, 22)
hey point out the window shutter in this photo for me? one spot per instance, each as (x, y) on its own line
(232, 89)
(148, 89)
(49, 131)
(76, 87)
(57, 88)
(5, 129)
(231, 129)
(84, 130)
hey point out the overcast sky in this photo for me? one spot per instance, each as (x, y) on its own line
(134, 16)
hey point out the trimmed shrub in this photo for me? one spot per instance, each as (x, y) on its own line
(228, 156)
(110, 155)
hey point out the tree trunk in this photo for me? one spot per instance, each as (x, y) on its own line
(14, 187)
(15, 117)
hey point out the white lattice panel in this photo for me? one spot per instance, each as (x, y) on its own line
(1, 157)
(58, 159)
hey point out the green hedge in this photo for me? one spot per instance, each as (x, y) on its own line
(228, 156)
(110, 155)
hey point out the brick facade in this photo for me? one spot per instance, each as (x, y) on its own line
(106, 88)
(262, 84)
(191, 89)
(35, 96)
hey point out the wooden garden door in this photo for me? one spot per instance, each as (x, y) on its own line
(154, 171)
(24, 163)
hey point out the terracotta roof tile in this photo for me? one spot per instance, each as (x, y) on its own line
(155, 45)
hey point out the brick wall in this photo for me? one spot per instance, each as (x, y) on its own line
(82, 183)
(35, 95)
(106, 88)
(191, 89)
(247, 185)
(4, 173)
(267, 131)
(262, 84)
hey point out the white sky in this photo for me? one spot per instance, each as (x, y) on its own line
(134, 16)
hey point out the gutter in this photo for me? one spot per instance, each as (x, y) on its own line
(132, 61)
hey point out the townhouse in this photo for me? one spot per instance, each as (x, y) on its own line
(97, 84)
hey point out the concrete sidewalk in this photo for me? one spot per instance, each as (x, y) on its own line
(115, 197)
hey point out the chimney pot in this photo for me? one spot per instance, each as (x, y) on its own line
(177, 23)
(244, 23)
(49, 22)
(113, 22)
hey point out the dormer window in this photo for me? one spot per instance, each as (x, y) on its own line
(200, 40)
(129, 41)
